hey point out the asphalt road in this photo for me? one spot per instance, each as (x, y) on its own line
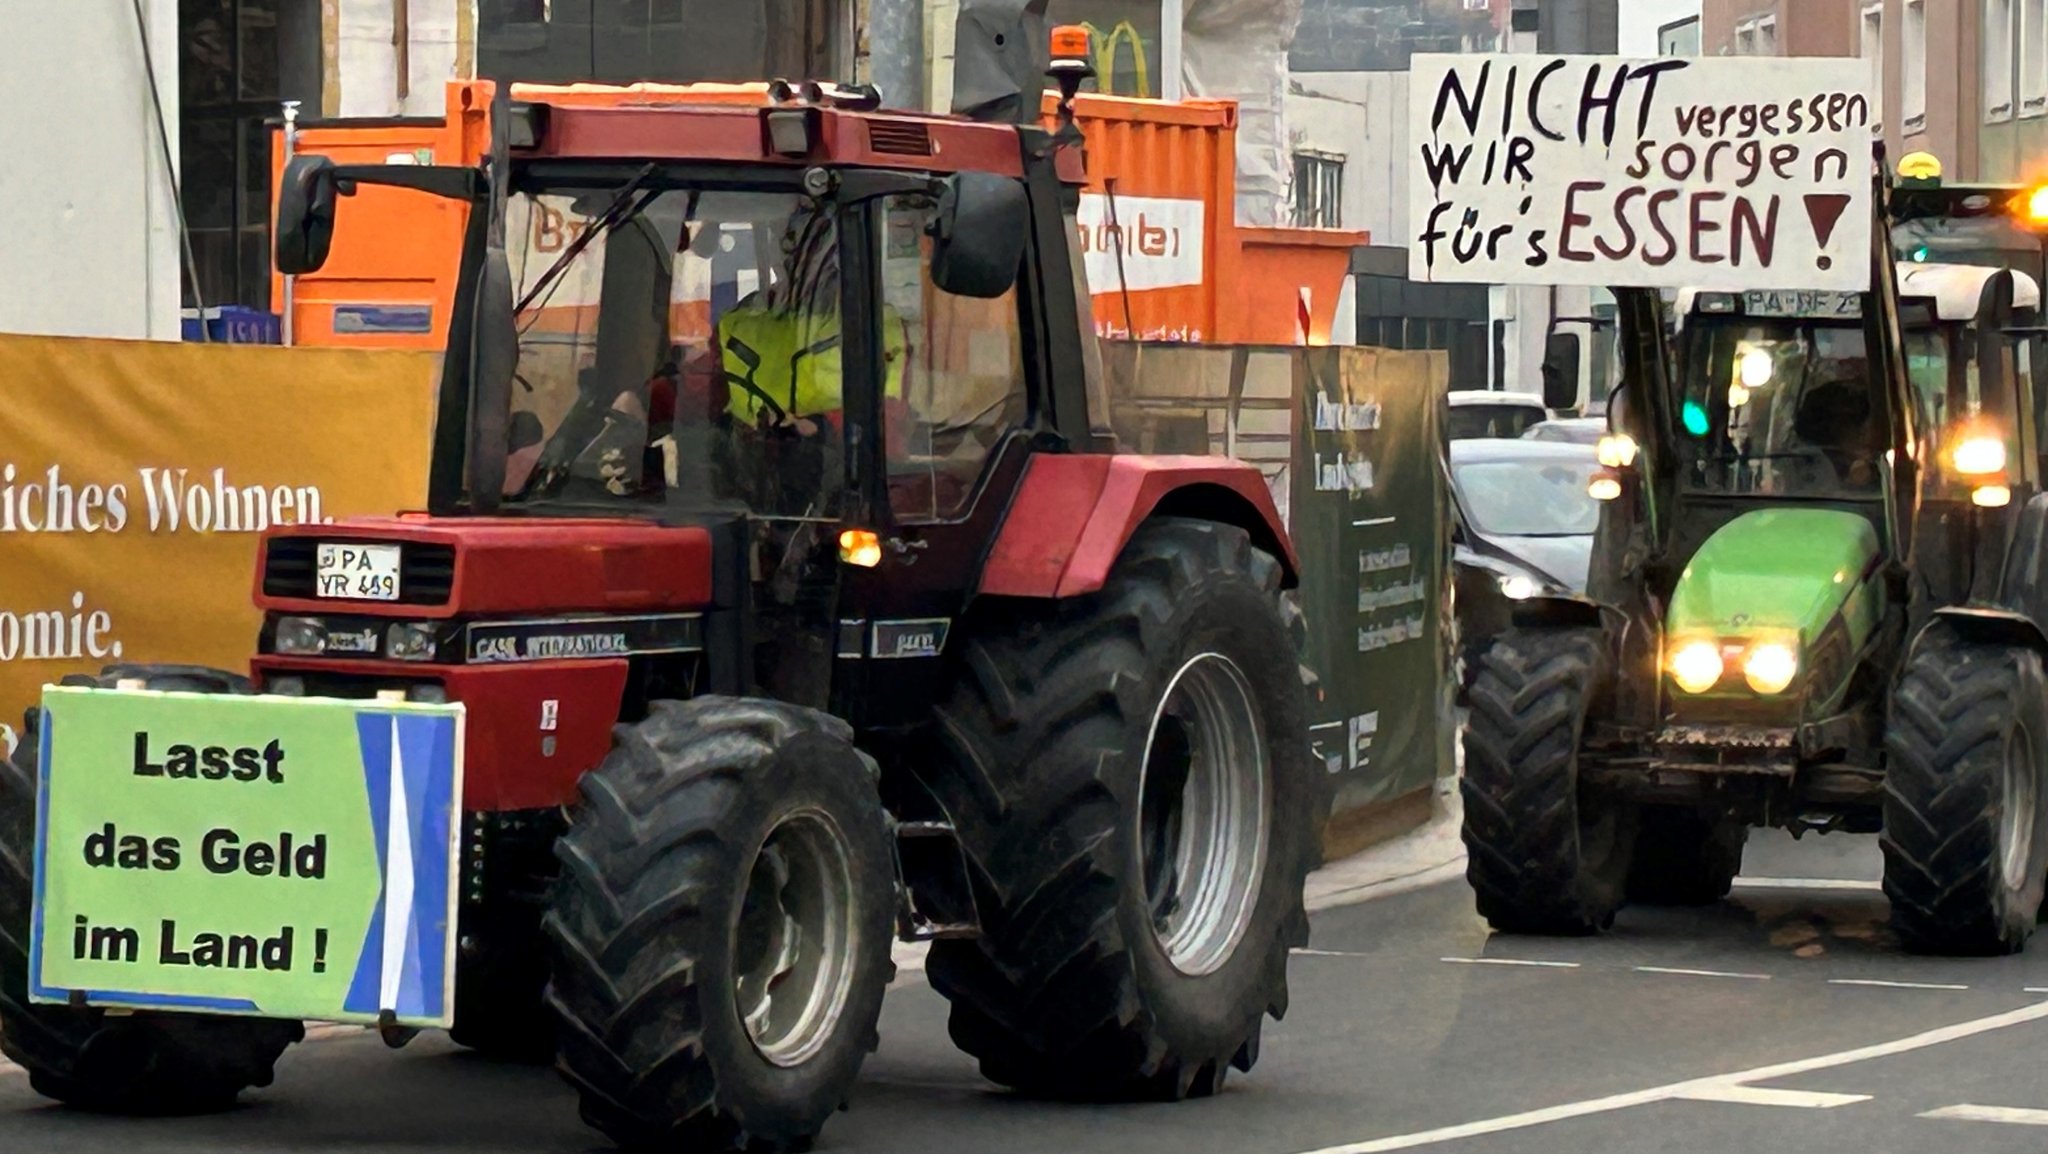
(1783, 1019)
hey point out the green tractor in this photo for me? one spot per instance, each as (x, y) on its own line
(1815, 603)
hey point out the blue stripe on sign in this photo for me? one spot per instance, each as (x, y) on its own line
(35, 945)
(428, 743)
(373, 734)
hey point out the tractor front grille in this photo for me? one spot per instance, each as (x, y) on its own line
(426, 573)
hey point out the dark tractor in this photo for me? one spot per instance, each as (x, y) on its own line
(1815, 603)
(800, 602)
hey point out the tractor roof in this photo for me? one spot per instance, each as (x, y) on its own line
(759, 124)
(1958, 289)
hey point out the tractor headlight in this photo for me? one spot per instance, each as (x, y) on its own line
(1616, 450)
(1980, 456)
(1519, 587)
(1696, 666)
(1770, 667)
(410, 641)
(301, 636)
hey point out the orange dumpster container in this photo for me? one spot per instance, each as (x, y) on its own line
(1166, 258)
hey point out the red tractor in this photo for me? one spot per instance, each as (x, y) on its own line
(778, 549)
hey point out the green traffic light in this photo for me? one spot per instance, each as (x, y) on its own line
(1695, 417)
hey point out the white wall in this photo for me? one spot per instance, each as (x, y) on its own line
(91, 243)
(367, 64)
(1364, 117)
(1640, 20)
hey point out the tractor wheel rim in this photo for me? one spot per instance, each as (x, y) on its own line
(1203, 847)
(796, 939)
(2018, 809)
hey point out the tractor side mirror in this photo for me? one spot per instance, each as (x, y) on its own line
(305, 215)
(978, 235)
(494, 358)
(1561, 372)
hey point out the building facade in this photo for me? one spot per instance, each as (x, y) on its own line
(2013, 127)
(1924, 56)
(93, 246)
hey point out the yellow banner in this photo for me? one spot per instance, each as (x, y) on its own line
(135, 476)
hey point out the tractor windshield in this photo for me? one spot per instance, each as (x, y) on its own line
(1779, 408)
(677, 345)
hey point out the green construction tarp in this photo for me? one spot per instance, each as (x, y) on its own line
(1349, 440)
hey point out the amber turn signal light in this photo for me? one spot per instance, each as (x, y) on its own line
(860, 547)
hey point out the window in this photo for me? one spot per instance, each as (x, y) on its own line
(956, 374)
(1745, 38)
(1872, 48)
(1767, 36)
(1997, 64)
(1318, 190)
(230, 81)
(1679, 38)
(1913, 65)
(2033, 83)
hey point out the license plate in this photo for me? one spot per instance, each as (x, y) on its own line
(358, 572)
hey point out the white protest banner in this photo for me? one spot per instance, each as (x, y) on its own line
(1730, 174)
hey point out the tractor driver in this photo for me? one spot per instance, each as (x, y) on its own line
(779, 348)
(1835, 416)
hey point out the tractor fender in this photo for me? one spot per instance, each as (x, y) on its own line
(1988, 624)
(1074, 513)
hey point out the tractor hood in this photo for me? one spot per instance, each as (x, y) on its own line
(1774, 571)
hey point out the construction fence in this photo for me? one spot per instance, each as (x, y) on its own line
(135, 476)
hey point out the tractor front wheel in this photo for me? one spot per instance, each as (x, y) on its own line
(1965, 808)
(143, 1063)
(1544, 855)
(1131, 778)
(721, 927)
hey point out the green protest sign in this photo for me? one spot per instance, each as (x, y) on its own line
(275, 856)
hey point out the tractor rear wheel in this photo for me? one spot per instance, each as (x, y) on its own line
(721, 928)
(1685, 858)
(143, 1063)
(1966, 807)
(1544, 855)
(1130, 775)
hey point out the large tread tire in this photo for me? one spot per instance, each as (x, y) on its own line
(1960, 708)
(1541, 858)
(644, 926)
(1041, 749)
(145, 1064)
(1685, 858)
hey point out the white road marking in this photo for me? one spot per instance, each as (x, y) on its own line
(1309, 953)
(2010, 1115)
(1676, 1090)
(2035, 990)
(1369, 522)
(1808, 884)
(1893, 985)
(1764, 1096)
(1701, 973)
(1510, 962)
